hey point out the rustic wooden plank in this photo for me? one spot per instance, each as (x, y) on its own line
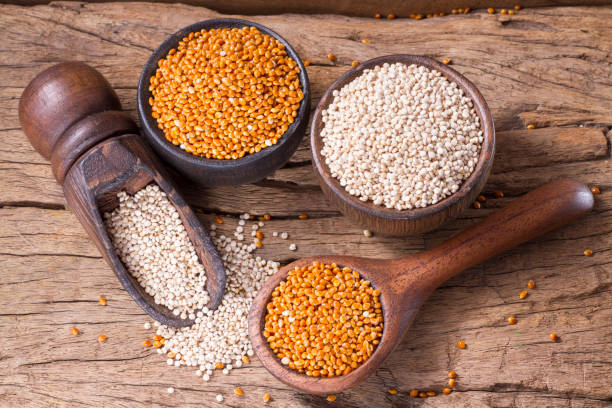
(550, 67)
(354, 7)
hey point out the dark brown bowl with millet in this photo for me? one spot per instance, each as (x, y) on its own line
(215, 172)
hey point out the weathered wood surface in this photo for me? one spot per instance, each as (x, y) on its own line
(550, 67)
(364, 8)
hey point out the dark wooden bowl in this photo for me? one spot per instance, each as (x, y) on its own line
(395, 222)
(214, 172)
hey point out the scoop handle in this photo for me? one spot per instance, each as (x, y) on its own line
(537, 212)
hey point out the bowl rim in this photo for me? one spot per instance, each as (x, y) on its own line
(149, 124)
(483, 165)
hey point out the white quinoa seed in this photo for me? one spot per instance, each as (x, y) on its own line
(170, 390)
(284, 235)
(219, 397)
(401, 136)
(367, 233)
(147, 325)
(152, 243)
(221, 336)
(292, 247)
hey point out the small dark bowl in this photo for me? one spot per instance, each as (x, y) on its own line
(395, 222)
(214, 172)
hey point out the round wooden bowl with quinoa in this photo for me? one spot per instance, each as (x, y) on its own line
(210, 171)
(389, 221)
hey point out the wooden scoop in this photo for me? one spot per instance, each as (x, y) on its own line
(406, 283)
(72, 117)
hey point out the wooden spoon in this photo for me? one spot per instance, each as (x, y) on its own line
(72, 117)
(406, 283)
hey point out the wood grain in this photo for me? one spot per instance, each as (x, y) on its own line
(363, 8)
(548, 66)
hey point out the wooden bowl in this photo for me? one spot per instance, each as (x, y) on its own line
(390, 221)
(209, 172)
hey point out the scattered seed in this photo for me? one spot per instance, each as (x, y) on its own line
(219, 366)
(147, 325)
(367, 233)
(461, 344)
(284, 235)
(331, 398)
(392, 391)
(431, 393)
(452, 382)
(588, 252)
(331, 57)
(414, 393)
(102, 300)
(354, 63)
(499, 194)
(511, 12)
(170, 390)
(219, 398)
(530, 126)
(266, 397)
(390, 16)
(518, 7)
(481, 198)
(245, 359)
(446, 61)
(157, 344)
(74, 331)
(303, 216)
(102, 338)
(422, 394)
(306, 63)
(259, 235)
(523, 294)
(476, 205)
(365, 41)
(554, 337)
(146, 343)
(466, 10)
(219, 220)
(452, 374)
(531, 284)
(446, 391)
(377, 15)
(504, 11)
(595, 190)
(454, 11)
(491, 10)
(267, 217)
(292, 247)
(512, 320)
(238, 391)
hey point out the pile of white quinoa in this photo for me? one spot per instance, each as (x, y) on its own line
(402, 136)
(152, 243)
(221, 336)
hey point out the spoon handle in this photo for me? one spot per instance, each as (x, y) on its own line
(537, 212)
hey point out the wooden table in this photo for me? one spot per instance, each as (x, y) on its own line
(550, 67)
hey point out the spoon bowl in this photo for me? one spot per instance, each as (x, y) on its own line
(406, 283)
